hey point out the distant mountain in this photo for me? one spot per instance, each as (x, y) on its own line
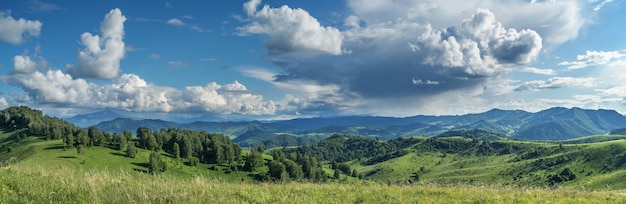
(121, 124)
(550, 124)
(86, 120)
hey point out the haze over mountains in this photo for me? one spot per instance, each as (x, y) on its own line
(551, 124)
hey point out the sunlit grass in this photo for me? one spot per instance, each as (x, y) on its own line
(37, 184)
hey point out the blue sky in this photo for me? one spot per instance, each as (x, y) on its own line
(286, 59)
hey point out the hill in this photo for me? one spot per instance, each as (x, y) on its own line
(550, 124)
(467, 160)
(97, 169)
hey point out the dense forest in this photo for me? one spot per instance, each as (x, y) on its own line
(189, 145)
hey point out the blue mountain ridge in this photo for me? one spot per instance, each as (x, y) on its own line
(550, 124)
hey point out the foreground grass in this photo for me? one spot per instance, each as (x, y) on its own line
(32, 184)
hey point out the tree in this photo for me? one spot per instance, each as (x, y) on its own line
(79, 149)
(355, 173)
(127, 134)
(176, 151)
(260, 148)
(120, 139)
(253, 161)
(152, 143)
(294, 170)
(345, 168)
(143, 133)
(157, 165)
(278, 155)
(230, 155)
(69, 140)
(193, 161)
(94, 134)
(277, 170)
(131, 151)
(337, 175)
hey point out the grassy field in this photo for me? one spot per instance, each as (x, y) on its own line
(42, 171)
(41, 184)
(599, 165)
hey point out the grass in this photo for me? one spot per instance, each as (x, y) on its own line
(48, 173)
(600, 165)
(41, 184)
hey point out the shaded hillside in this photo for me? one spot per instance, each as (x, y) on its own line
(286, 140)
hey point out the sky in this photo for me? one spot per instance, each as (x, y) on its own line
(287, 59)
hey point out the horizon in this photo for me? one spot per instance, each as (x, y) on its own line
(134, 115)
(280, 60)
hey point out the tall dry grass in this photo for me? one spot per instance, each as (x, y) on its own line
(21, 184)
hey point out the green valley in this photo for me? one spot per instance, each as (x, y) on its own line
(177, 165)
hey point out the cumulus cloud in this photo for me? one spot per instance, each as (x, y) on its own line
(556, 82)
(291, 30)
(555, 21)
(15, 31)
(53, 87)
(250, 6)
(478, 47)
(403, 62)
(100, 59)
(594, 58)
(133, 93)
(23, 64)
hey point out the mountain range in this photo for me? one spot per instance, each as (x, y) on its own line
(550, 124)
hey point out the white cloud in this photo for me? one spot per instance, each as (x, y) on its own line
(101, 57)
(3, 103)
(478, 47)
(555, 21)
(556, 82)
(601, 4)
(250, 6)
(133, 93)
(176, 22)
(594, 58)
(23, 64)
(291, 30)
(535, 70)
(426, 82)
(304, 95)
(352, 21)
(15, 31)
